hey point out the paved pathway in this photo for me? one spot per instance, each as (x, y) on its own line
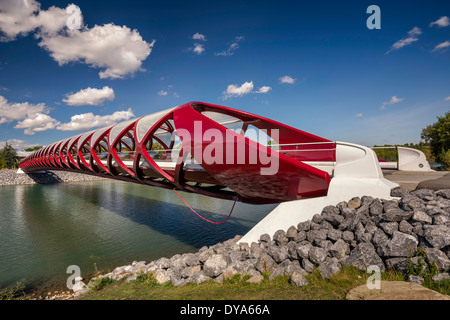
(434, 180)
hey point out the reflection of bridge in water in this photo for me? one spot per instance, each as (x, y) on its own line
(226, 153)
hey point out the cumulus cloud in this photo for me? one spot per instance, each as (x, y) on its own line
(231, 48)
(264, 89)
(237, 91)
(234, 90)
(358, 115)
(287, 79)
(118, 50)
(36, 123)
(448, 98)
(90, 96)
(20, 17)
(162, 93)
(406, 41)
(198, 48)
(441, 46)
(88, 120)
(18, 111)
(441, 22)
(199, 36)
(393, 100)
(18, 144)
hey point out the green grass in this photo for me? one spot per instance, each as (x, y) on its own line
(236, 288)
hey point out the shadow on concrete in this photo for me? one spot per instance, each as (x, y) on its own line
(44, 177)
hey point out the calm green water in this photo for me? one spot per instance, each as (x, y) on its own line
(105, 224)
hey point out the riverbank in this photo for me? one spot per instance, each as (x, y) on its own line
(409, 235)
(11, 177)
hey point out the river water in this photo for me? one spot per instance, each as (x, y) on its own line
(99, 225)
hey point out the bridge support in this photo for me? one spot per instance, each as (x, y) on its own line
(357, 173)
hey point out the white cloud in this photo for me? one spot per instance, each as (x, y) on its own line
(36, 123)
(441, 22)
(162, 93)
(90, 96)
(393, 100)
(231, 48)
(406, 41)
(20, 17)
(442, 45)
(234, 90)
(18, 144)
(199, 36)
(358, 115)
(119, 50)
(19, 111)
(448, 98)
(287, 79)
(87, 121)
(264, 89)
(198, 48)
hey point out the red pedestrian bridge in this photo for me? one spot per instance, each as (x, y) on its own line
(225, 153)
(203, 148)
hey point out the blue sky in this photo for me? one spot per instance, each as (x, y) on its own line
(315, 65)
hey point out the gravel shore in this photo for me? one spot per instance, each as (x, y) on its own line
(11, 177)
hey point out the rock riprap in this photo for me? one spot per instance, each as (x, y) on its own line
(362, 232)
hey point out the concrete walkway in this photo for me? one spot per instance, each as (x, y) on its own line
(411, 180)
(395, 290)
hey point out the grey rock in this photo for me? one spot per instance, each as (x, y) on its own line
(397, 215)
(440, 219)
(348, 212)
(335, 219)
(348, 236)
(317, 255)
(303, 251)
(399, 192)
(280, 237)
(304, 226)
(412, 203)
(405, 227)
(279, 253)
(438, 237)
(301, 235)
(422, 217)
(415, 279)
(363, 256)
(291, 233)
(441, 276)
(445, 193)
(163, 263)
(265, 263)
(340, 249)
(264, 238)
(307, 265)
(329, 267)
(389, 227)
(434, 255)
(376, 208)
(317, 218)
(379, 238)
(297, 279)
(400, 245)
(423, 193)
(396, 263)
(214, 265)
(334, 234)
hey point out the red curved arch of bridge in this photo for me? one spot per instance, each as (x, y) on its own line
(231, 170)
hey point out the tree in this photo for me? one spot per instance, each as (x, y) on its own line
(438, 136)
(8, 157)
